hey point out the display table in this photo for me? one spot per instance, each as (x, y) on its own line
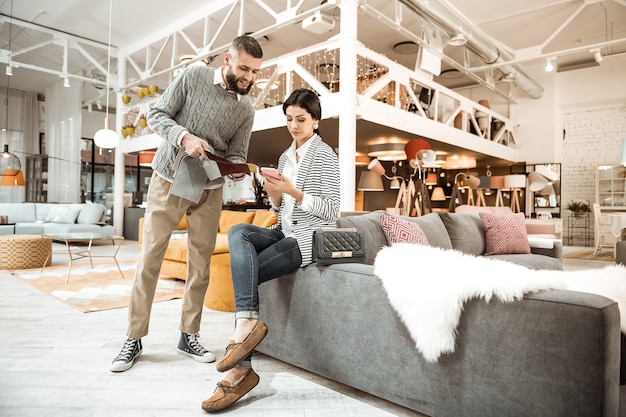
(88, 239)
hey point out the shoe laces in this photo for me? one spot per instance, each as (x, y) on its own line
(127, 350)
(192, 340)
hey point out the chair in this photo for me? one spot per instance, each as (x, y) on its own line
(603, 238)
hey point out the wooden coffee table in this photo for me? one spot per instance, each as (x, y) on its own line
(79, 252)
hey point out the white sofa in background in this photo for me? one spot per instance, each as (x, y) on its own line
(47, 218)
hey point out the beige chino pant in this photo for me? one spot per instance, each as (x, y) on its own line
(163, 213)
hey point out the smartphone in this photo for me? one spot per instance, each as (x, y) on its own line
(271, 172)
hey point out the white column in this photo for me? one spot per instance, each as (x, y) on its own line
(120, 171)
(347, 93)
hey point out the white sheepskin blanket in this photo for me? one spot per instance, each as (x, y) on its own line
(428, 286)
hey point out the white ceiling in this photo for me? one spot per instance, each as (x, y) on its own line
(524, 32)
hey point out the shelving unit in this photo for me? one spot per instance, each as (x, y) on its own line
(37, 179)
(611, 186)
(578, 230)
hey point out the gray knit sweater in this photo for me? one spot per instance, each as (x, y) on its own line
(193, 103)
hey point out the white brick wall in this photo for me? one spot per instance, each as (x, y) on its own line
(591, 137)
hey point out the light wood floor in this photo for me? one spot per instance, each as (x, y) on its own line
(54, 361)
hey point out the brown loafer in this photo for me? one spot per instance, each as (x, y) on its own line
(236, 352)
(227, 394)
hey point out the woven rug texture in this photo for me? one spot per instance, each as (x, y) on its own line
(97, 289)
(589, 255)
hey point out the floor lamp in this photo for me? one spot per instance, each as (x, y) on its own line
(497, 182)
(515, 182)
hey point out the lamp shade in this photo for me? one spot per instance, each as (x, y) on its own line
(485, 181)
(145, 158)
(536, 181)
(376, 166)
(9, 162)
(438, 194)
(472, 181)
(106, 138)
(431, 179)
(370, 181)
(413, 146)
(497, 181)
(12, 178)
(622, 157)
(515, 181)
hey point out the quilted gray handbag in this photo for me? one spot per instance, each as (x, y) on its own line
(337, 245)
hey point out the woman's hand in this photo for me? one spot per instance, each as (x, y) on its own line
(276, 187)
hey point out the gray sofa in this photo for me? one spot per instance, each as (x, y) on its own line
(555, 353)
(51, 218)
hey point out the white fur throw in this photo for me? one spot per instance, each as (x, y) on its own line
(428, 286)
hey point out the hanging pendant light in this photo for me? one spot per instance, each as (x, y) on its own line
(107, 138)
(10, 165)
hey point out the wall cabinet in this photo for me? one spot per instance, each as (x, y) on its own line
(37, 179)
(611, 186)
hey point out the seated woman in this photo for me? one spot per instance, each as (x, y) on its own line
(305, 195)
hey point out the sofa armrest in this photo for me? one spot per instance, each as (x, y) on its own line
(547, 247)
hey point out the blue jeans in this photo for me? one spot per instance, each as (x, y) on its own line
(258, 255)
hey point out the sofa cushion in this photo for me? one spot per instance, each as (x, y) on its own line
(398, 230)
(264, 218)
(466, 231)
(66, 216)
(48, 212)
(90, 213)
(177, 248)
(505, 233)
(19, 212)
(230, 218)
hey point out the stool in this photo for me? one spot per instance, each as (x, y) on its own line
(25, 251)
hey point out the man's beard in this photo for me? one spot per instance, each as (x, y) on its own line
(231, 82)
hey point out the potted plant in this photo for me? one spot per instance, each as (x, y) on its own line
(578, 208)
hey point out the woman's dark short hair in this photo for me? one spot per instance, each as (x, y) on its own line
(306, 99)
(247, 44)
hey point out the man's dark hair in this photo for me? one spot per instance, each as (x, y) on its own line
(247, 44)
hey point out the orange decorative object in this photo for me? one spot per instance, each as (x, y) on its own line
(145, 158)
(413, 146)
(12, 178)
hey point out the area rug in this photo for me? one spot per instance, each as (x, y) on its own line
(97, 289)
(589, 255)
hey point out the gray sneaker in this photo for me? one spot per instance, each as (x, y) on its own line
(125, 360)
(188, 345)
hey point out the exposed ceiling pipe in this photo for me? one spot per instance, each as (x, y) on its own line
(452, 23)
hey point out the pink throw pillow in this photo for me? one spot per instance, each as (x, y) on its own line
(505, 233)
(398, 230)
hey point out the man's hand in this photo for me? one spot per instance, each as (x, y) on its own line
(194, 146)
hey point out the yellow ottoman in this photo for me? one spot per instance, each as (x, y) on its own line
(220, 295)
(25, 251)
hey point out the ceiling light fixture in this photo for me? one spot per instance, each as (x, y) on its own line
(597, 56)
(458, 39)
(107, 138)
(66, 82)
(406, 48)
(549, 66)
(392, 151)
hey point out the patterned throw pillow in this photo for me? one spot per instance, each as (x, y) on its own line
(398, 230)
(505, 233)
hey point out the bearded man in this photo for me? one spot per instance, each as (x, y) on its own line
(204, 110)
